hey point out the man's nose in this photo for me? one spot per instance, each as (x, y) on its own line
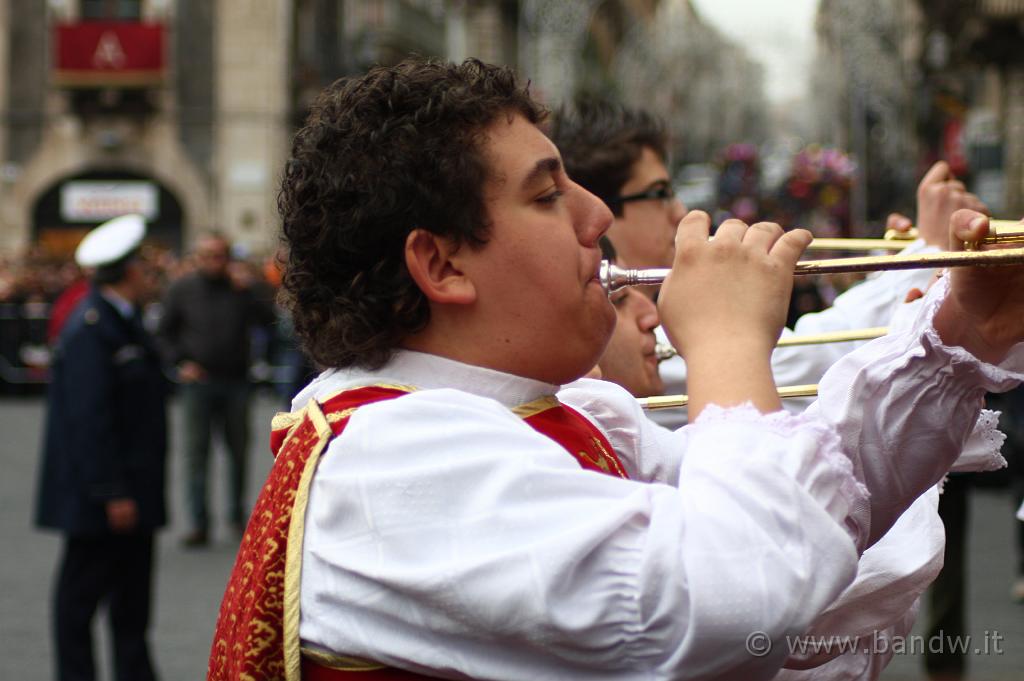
(594, 217)
(647, 319)
(677, 210)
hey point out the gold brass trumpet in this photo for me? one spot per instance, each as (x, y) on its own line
(665, 351)
(671, 401)
(1000, 231)
(614, 277)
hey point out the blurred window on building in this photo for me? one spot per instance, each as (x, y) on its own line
(111, 10)
(107, 54)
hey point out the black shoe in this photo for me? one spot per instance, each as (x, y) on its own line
(195, 539)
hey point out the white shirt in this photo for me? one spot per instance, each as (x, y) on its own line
(445, 534)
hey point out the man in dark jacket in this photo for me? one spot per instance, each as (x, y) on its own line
(102, 480)
(207, 319)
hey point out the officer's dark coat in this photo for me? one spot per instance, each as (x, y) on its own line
(106, 426)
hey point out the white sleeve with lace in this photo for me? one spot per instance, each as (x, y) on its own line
(905, 406)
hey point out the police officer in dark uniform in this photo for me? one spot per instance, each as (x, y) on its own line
(102, 479)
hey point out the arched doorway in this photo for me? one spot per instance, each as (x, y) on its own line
(73, 205)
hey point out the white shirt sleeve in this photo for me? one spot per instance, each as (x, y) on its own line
(905, 406)
(443, 533)
(852, 639)
(866, 660)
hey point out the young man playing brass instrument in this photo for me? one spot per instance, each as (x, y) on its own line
(439, 507)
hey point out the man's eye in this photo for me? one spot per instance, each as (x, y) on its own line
(550, 198)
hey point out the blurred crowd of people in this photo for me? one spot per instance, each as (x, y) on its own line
(39, 289)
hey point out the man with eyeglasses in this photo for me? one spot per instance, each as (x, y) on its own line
(619, 155)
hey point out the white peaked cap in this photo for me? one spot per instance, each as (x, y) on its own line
(111, 241)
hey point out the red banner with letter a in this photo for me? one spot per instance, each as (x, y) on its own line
(108, 54)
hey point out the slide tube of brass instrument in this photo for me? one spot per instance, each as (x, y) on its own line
(665, 351)
(999, 232)
(671, 401)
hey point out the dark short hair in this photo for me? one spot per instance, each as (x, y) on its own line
(380, 155)
(114, 272)
(600, 140)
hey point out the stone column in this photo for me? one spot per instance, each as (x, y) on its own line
(251, 48)
(550, 45)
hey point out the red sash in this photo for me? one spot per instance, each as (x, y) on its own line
(257, 633)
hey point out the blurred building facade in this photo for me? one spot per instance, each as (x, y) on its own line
(902, 83)
(183, 110)
(174, 109)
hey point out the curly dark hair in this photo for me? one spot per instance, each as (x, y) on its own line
(380, 155)
(600, 140)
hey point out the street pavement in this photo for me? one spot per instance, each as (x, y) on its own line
(189, 583)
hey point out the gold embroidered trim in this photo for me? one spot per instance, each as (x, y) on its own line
(297, 525)
(293, 552)
(388, 386)
(336, 416)
(525, 411)
(288, 420)
(608, 460)
(285, 419)
(341, 662)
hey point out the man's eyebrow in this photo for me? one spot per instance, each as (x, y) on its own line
(545, 166)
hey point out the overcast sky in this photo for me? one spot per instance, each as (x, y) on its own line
(778, 33)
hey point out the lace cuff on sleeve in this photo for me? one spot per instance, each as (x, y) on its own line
(982, 451)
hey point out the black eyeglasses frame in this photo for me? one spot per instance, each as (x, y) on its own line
(661, 192)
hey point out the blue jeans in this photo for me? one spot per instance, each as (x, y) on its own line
(226, 404)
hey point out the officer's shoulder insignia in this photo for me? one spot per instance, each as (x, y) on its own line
(92, 315)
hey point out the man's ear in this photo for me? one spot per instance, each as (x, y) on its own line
(429, 259)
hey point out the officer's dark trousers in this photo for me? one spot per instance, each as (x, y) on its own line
(117, 570)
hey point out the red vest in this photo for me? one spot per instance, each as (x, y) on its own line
(257, 634)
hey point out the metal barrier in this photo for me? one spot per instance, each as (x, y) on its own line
(24, 353)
